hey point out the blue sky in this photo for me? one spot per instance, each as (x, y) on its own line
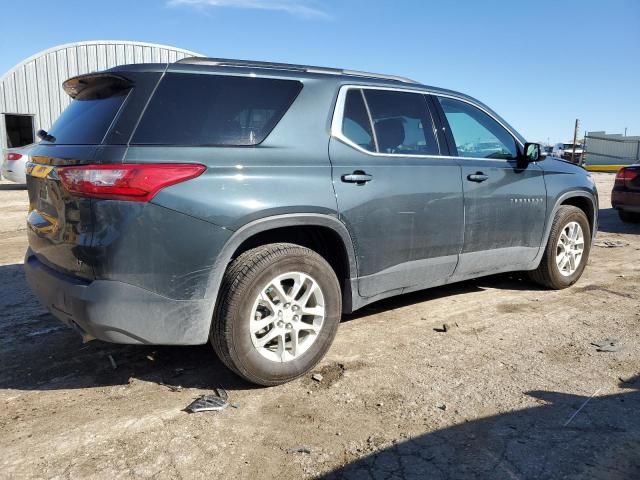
(540, 64)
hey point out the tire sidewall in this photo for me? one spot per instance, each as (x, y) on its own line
(247, 358)
(564, 218)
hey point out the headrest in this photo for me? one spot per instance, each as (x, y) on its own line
(390, 133)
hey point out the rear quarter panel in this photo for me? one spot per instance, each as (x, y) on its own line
(287, 173)
(171, 246)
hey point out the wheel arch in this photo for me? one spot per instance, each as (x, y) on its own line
(583, 200)
(584, 203)
(325, 234)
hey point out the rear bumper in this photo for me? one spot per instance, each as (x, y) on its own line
(118, 312)
(626, 200)
(12, 175)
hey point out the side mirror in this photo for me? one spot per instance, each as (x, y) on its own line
(532, 152)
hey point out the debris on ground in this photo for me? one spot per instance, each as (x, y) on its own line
(113, 362)
(212, 402)
(173, 388)
(46, 331)
(300, 449)
(445, 327)
(608, 345)
(442, 407)
(610, 243)
(326, 376)
(629, 382)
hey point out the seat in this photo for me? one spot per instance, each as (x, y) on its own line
(390, 134)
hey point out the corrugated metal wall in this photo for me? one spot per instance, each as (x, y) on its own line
(34, 86)
(611, 149)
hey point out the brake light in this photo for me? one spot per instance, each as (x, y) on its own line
(626, 175)
(14, 156)
(133, 182)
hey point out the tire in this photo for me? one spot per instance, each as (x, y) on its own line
(629, 217)
(245, 281)
(548, 273)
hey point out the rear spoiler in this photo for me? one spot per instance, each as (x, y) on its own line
(97, 82)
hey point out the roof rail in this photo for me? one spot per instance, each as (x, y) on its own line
(225, 62)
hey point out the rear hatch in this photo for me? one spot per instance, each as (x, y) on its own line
(93, 130)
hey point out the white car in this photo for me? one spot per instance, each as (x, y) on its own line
(15, 161)
(565, 151)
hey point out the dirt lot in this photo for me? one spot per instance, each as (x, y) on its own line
(515, 389)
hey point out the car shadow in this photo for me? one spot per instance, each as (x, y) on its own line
(609, 222)
(38, 352)
(505, 281)
(565, 436)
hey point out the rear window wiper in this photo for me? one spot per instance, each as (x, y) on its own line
(44, 135)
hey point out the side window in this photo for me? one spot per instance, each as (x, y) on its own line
(355, 121)
(475, 133)
(402, 122)
(201, 109)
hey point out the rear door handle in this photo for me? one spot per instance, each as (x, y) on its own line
(358, 177)
(477, 177)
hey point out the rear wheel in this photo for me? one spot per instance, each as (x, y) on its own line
(629, 217)
(567, 250)
(279, 309)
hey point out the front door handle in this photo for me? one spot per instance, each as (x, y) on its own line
(359, 177)
(477, 177)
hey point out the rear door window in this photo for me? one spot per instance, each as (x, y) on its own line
(214, 110)
(356, 124)
(401, 122)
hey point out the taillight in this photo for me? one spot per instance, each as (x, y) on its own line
(626, 175)
(14, 156)
(133, 182)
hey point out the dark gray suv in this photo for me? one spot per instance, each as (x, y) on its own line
(251, 204)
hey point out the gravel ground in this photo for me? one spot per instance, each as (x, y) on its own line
(514, 389)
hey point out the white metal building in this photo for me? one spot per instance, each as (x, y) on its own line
(31, 95)
(610, 152)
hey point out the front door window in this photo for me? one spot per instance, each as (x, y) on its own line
(476, 134)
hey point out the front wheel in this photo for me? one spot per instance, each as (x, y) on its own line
(567, 251)
(279, 309)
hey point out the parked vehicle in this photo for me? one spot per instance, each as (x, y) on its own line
(566, 152)
(625, 196)
(252, 204)
(15, 161)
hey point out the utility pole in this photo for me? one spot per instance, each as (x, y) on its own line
(625, 131)
(575, 139)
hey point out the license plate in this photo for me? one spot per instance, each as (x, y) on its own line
(40, 171)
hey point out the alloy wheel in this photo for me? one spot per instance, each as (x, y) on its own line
(287, 316)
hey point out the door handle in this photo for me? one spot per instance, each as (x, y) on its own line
(359, 177)
(477, 177)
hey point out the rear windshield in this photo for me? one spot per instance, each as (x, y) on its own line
(196, 109)
(88, 118)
